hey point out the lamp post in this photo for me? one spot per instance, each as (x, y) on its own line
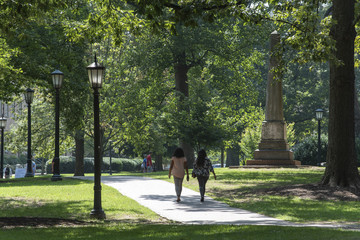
(319, 115)
(96, 73)
(57, 77)
(2, 126)
(29, 95)
(110, 157)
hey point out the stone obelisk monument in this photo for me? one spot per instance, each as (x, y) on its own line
(273, 147)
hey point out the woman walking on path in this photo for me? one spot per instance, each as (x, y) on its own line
(178, 167)
(201, 170)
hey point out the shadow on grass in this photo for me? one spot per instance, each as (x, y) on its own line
(299, 210)
(162, 232)
(24, 207)
(69, 199)
(39, 181)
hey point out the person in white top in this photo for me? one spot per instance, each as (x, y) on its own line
(178, 167)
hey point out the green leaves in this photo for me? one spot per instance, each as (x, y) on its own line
(8, 72)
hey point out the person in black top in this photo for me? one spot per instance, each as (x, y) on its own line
(7, 171)
(201, 170)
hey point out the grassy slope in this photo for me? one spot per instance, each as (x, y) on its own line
(70, 198)
(73, 199)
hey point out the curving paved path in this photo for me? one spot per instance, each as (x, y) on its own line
(160, 197)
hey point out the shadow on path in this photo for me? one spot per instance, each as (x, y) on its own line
(160, 197)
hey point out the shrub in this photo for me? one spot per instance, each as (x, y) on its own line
(13, 159)
(116, 165)
(250, 141)
(131, 164)
(67, 165)
(307, 150)
(88, 165)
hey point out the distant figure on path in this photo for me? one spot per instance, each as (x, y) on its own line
(33, 168)
(149, 162)
(144, 164)
(7, 171)
(178, 167)
(201, 170)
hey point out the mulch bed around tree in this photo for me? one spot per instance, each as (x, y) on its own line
(314, 192)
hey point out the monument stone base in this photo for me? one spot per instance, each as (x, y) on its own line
(273, 157)
(274, 162)
(273, 147)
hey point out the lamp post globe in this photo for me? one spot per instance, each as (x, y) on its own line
(319, 115)
(2, 126)
(57, 77)
(29, 95)
(3, 122)
(96, 73)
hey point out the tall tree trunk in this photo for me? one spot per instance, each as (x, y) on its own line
(232, 156)
(182, 86)
(43, 166)
(79, 153)
(189, 153)
(341, 167)
(222, 156)
(158, 162)
(357, 115)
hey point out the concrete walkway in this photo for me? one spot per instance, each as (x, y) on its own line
(160, 197)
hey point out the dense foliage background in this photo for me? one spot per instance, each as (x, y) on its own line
(224, 56)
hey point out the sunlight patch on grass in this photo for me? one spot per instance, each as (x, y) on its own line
(236, 187)
(69, 198)
(295, 209)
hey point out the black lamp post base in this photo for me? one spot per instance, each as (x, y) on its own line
(56, 178)
(98, 214)
(29, 175)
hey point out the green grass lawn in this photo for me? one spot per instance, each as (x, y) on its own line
(69, 198)
(177, 232)
(126, 219)
(236, 188)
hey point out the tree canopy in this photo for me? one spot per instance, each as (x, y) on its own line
(188, 70)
